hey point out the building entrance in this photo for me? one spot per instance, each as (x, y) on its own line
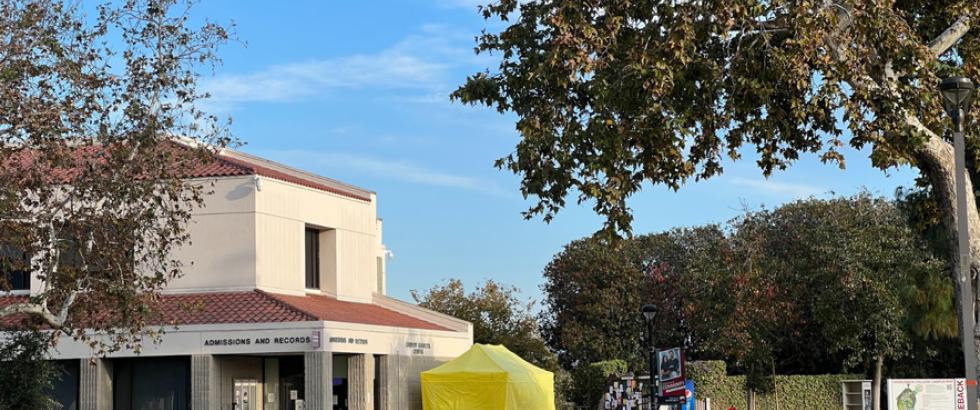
(246, 395)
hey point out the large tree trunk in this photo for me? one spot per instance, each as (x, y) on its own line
(876, 384)
(936, 161)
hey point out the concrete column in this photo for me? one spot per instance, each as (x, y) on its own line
(318, 374)
(272, 387)
(360, 382)
(387, 389)
(95, 384)
(204, 383)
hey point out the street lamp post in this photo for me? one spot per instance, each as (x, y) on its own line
(649, 313)
(957, 94)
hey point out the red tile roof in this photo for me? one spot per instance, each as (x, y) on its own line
(226, 307)
(16, 319)
(71, 161)
(261, 307)
(328, 308)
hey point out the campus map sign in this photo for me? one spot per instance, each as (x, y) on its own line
(927, 394)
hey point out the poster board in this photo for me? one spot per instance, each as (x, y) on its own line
(670, 368)
(926, 394)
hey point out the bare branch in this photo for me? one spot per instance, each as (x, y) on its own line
(32, 309)
(954, 33)
(66, 306)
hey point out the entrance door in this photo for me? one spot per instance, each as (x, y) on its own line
(245, 395)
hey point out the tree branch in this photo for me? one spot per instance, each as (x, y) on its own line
(33, 309)
(954, 33)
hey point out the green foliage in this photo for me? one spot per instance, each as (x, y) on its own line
(812, 287)
(590, 381)
(613, 96)
(25, 374)
(840, 267)
(564, 385)
(498, 317)
(816, 392)
(94, 199)
(593, 291)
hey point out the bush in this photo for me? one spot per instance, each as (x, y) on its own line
(812, 392)
(589, 382)
(25, 373)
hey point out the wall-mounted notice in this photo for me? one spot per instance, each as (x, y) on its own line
(927, 394)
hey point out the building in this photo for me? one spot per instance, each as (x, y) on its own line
(288, 284)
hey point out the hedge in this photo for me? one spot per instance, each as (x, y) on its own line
(591, 381)
(816, 392)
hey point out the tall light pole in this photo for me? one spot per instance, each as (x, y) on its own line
(649, 313)
(957, 94)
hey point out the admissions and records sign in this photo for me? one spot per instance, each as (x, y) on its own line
(927, 394)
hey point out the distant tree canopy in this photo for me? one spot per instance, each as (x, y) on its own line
(773, 290)
(497, 315)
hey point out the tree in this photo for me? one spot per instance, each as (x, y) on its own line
(613, 96)
(497, 315)
(593, 291)
(93, 199)
(849, 265)
(26, 373)
(811, 287)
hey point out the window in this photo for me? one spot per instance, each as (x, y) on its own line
(312, 258)
(151, 383)
(15, 269)
(381, 275)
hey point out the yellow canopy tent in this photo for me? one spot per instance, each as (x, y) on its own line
(488, 377)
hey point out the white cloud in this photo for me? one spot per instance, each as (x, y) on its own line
(398, 170)
(782, 189)
(297, 80)
(420, 62)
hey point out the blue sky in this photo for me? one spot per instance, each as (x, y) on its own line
(358, 91)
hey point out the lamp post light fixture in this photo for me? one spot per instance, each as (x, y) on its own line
(957, 93)
(649, 313)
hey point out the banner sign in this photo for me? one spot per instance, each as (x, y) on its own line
(927, 394)
(670, 368)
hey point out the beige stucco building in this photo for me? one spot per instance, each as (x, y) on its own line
(288, 277)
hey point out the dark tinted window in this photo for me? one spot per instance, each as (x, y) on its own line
(64, 388)
(312, 258)
(15, 268)
(161, 383)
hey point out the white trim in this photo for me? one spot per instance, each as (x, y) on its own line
(418, 312)
(353, 338)
(16, 292)
(281, 291)
(230, 289)
(293, 172)
(316, 324)
(354, 299)
(217, 327)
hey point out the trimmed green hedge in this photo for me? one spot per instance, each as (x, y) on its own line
(817, 392)
(591, 381)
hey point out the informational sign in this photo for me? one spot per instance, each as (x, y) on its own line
(926, 394)
(315, 339)
(670, 367)
(625, 394)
